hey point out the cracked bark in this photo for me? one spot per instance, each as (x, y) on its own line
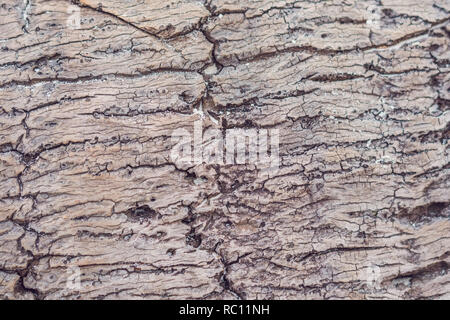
(358, 89)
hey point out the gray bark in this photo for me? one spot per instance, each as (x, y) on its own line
(359, 91)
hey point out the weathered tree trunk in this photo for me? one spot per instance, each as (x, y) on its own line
(91, 92)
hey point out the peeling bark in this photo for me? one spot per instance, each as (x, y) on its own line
(359, 91)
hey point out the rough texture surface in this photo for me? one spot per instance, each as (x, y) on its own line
(358, 89)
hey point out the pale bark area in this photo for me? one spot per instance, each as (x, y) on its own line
(358, 89)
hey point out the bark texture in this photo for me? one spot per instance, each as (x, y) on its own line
(358, 89)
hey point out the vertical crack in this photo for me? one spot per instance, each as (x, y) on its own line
(25, 15)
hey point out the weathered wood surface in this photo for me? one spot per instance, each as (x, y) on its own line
(358, 89)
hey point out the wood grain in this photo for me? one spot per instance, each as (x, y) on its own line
(359, 91)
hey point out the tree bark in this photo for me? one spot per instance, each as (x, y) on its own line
(358, 209)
